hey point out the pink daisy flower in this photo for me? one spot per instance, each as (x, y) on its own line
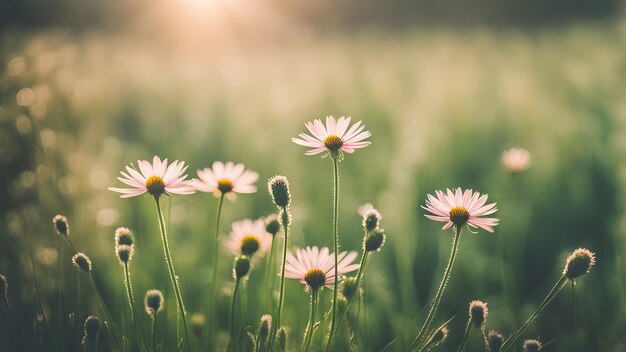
(249, 237)
(226, 179)
(458, 208)
(516, 159)
(316, 267)
(334, 138)
(156, 178)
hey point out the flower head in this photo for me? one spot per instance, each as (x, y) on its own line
(153, 302)
(494, 341)
(532, 345)
(82, 262)
(249, 237)
(123, 237)
(375, 240)
(459, 208)
(440, 336)
(61, 225)
(124, 253)
(516, 160)
(157, 179)
(197, 322)
(272, 225)
(241, 267)
(334, 138)
(92, 326)
(226, 179)
(371, 217)
(478, 312)
(316, 267)
(278, 186)
(579, 263)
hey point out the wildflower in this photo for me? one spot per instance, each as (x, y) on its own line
(478, 312)
(375, 240)
(123, 237)
(124, 253)
(272, 225)
(334, 138)
(226, 179)
(579, 263)
(265, 327)
(281, 338)
(516, 160)
(532, 345)
(249, 237)
(494, 341)
(91, 333)
(371, 217)
(458, 208)
(82, 262)
(241, 267)
(61, 225)
(315, 267)
(278, 186)
(157, 179)
(153, 302)
(440, 336)
(348, 286)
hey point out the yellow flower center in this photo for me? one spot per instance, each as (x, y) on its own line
(459, 215)
(225, 185)
(333, 142)
(315, 278)
(155, 185)
(249, 245)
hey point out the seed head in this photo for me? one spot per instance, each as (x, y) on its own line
(375, 240)
(124, 253)
(478, 313)
(197, 321)
(123, 236)
(82, 262)
(153, 302)
(241, 267)
(272, 225)
(579, 263)
(348, 286)
(440, 336)
(92, 327)
(250, 341)
(281, 337)
(61, 225)
(371, 220)
(265, 326)
(278, 187)
(532, 345)
(494, 341)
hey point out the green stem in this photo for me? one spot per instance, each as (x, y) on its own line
(131, 302)
(233, 340)
(107, 317)
(281, 297)
(269, 282)
(336, 243)
(573, 305)
(11, 326)
(468, 329)
(170, 267)
(551, 295)
(214, 285)
(359, 275)
(154, 335)
(442, 286)
(308, 335)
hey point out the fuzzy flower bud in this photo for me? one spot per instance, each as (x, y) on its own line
(478, 313)
(250, 342)
(123, 237)
(532, 345)
(375, 240)
(241, 267)
(494, 341)
(440, 336)
(153, 302)
(278, 187)
(92, 326)
(82, 262)
(272, 225)
(124, 253)
(265, 326)
(579, 263)
(197, 322)
(281, 339)
(61, 225)
(371, 217)
(348, 287)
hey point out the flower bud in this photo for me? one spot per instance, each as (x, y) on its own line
(278, 187)
(82, 262)
(61, 225)
(478, 313)
(265, 326)
(375, 240)
(281, 339)
(440, 336)
(123, 237)
(197, 322)
(92, 326)
(371, 219)
(348, 287)
(153, 302)
(272, 225)
(124, 253)
(250, 342)
(241, 267)
(494, 341)
(532, 345)
(579, 263)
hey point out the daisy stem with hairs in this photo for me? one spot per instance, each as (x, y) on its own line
(170, 267)
(108, 321)
(269, 281)
(284, 217)
(442, 286)
(215, 255)
(131, 302)
(233, 339)
(336, 245)
(308, 335)
(551, 295)
(573, 304)
(154, 334)
(359, 275)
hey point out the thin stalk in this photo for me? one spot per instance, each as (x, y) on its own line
(170, 267)
(358, 315)
(154, 335)
(573, 304)
(217, 232)
(442, 286)
(11, 324)
(466, 335)
(281, 296)
(131, 302)
(233, 340)
(269, 281)
(308, 335)
(359, 275)
(107, 316)
(336, 243)
(551, 295)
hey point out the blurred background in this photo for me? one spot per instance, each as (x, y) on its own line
(444, 87)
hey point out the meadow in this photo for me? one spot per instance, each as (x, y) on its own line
(441, 105)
